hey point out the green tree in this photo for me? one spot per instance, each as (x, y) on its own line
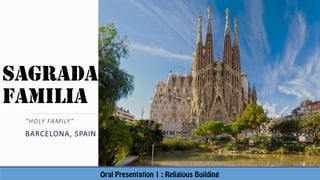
(232, 129)
(116, 144)
(310, 123)
(252, 117)
(200, 132)
(145, 133)
(287, 128)
(114, 83)
(210, 129)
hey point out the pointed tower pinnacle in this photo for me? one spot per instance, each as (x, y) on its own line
(219, 67)
(218, 57)
(209, 30)
(227, 49)
(227, 28)
(199, 38)
(235, 21)
(236, 65)
(209, 41)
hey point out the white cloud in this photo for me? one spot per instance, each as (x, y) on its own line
(294, 43)
(255, 34)
(177, 18)
(284, 110)
(159, 51)
(270, 109)
(290, 77)
(305, 83)
(292, 90)
(282, 72)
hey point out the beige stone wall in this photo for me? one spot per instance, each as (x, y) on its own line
(170, 105)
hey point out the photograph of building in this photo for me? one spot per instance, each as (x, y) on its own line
(124, 114)
(220, 83)
(216, 89)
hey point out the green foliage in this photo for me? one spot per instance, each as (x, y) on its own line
(309, 150)
(211, 129)
(203, 146)
(199, 132)
(252, 117)
(144, 133)
(287, 128)
(287, 138)
(114, 83)
(178, 145)
(232, 129)
(282, 150)
(265, 142)
(236, 146)
(311, 124)
(116, 142)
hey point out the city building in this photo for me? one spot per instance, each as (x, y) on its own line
(306, 107)
(217, 89)
(124, 114)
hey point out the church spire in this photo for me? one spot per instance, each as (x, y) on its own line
(199, 38)
(209, 29)
(254, 95)
(227, 27)
(235, 21)
(227, 49)
(198, 53)
(236, 51)
(209, 41)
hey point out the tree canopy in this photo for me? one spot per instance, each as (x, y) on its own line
(114, 83)
(114, 141)
(211, 129)
(310, 123)
(287, 128)
(144, 133)
(252, 117)
(232, 129)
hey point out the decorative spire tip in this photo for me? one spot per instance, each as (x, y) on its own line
(209, 12)
(199, 38)
(235, 20)
(227, 31)
(227, 11)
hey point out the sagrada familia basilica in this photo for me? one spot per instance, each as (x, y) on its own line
(217, 89)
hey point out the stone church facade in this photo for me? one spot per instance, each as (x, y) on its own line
(216, 90)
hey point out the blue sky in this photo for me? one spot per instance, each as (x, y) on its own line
(279, 45)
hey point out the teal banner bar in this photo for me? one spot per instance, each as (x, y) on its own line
(161, 173)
